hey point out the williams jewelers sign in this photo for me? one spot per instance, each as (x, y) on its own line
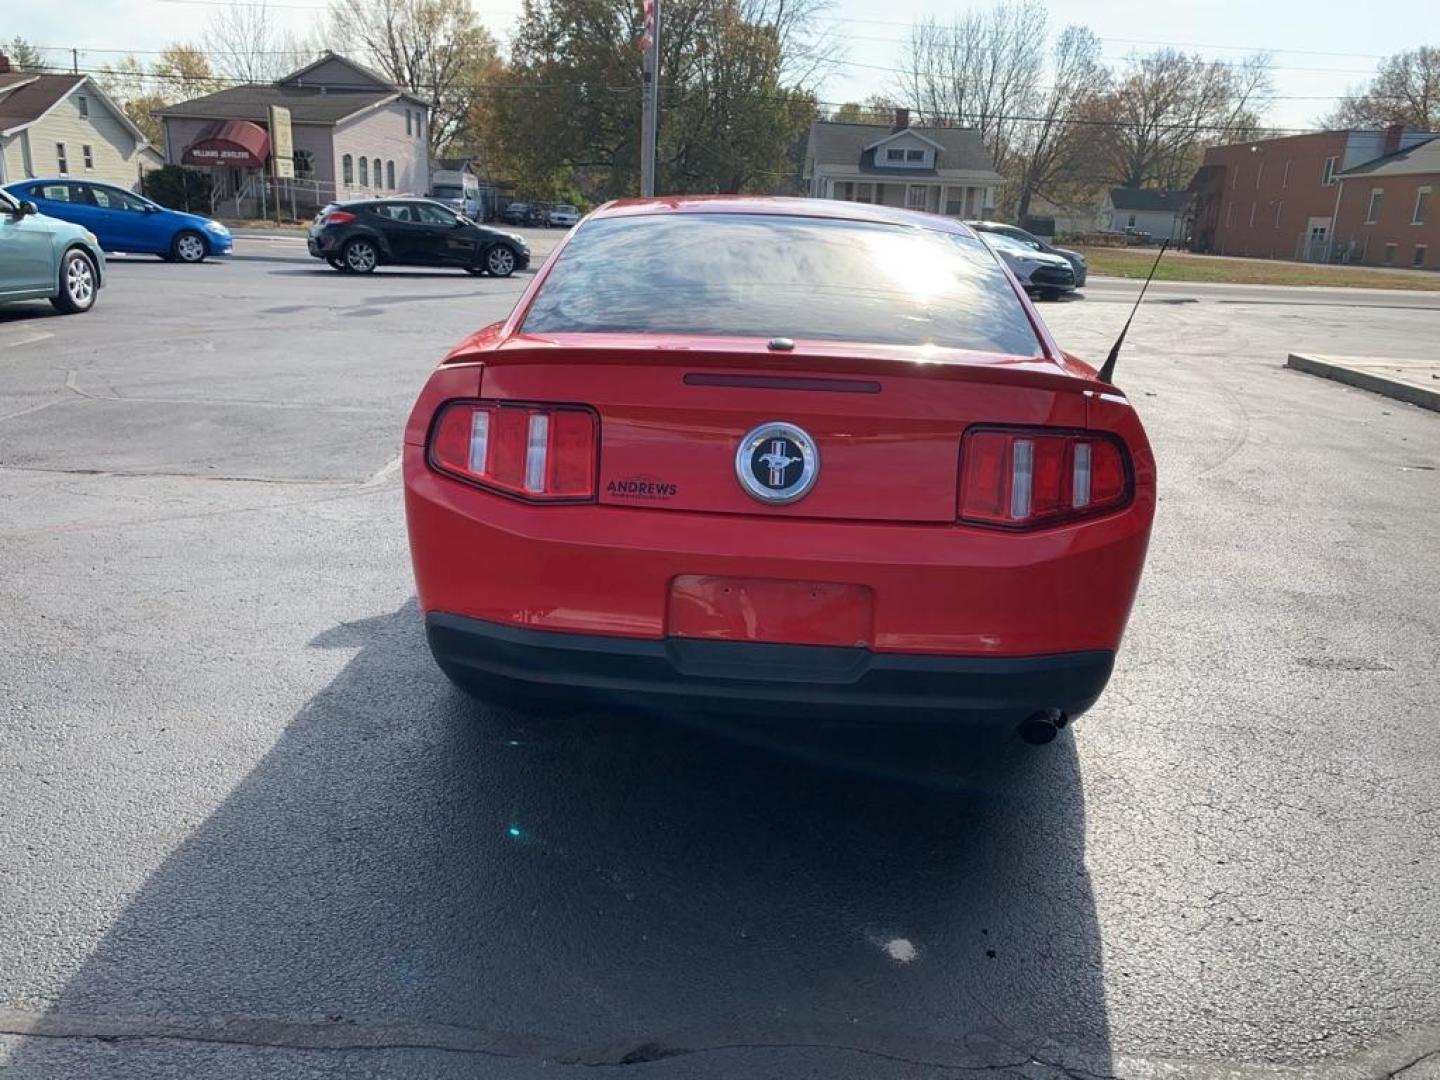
(238, 143)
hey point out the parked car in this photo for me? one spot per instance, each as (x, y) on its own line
(791, 456)
(1039, 243)
(44, 258)
(562, 216)
(516, 213)
(125, 221)
(358, 236)
(1039, 272)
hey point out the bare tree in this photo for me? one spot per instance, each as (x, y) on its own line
(1151, 129)
(245, 45)
(1405, 90)
(435, 49)
(983, 71)
(1052, 145)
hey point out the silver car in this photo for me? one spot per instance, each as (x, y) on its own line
(1039, 272)
(562, 216)
(44, 258)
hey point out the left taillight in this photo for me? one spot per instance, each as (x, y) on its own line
(544, 453)
(337, 217)
(1024, 477)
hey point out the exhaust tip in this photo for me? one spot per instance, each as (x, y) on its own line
(1043, 726)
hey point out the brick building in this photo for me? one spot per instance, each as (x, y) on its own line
(1280, 198)
(1389, 214)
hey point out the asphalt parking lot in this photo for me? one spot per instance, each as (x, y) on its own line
(247, 830)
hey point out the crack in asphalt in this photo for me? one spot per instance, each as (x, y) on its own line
(341, 1035)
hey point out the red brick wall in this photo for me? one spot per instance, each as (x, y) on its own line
(1366, 243)
(1257, 182)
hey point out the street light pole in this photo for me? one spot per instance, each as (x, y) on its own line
(651, 108)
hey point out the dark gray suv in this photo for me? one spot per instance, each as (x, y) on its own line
(1076, 260)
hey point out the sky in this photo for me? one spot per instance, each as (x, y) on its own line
(1321, 48)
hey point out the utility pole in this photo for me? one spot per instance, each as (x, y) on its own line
(651, 110)
(74, 62)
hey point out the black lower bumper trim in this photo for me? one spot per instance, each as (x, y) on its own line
(505, 661)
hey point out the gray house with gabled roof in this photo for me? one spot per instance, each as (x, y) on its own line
(355, 134)
(943, 170)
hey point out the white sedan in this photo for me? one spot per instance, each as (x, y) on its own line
(1038, 271)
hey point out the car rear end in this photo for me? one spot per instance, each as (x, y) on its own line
(329, 230)
(610, 499)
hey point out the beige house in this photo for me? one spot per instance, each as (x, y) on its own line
(64, 125)
(355, 135)
(939, 170)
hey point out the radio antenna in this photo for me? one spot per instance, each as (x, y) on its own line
(1107, 372)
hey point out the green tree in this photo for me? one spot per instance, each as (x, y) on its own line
(24, 56)
(730, 109)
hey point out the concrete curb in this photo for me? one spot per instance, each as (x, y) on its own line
(1375, 374)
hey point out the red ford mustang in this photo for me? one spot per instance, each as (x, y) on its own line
(797, 455)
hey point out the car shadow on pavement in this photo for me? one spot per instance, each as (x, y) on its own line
(406, 868)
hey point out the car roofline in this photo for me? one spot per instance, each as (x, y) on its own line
(781, 206)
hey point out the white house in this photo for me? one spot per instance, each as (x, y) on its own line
(1146, 210)
(937, 169)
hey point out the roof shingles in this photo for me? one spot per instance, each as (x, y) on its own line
(30, 96)
(961, 149)
(306, 106)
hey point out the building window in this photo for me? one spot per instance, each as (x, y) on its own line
(390, 175)
(1278, 206)
(304, 164)
(62, 164)
(1130, 222)
(364, 171)
(409, 123)
(1377, 197)
(1422, 206)
(83, 104)
(1328, 176)
(914, 155)
(89, 157)
(1285, 179)
(894, 154)
(1389, 254)
(347, 169)
(1419, 259)
(379, 167)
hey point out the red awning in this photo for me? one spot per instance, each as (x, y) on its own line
(241, 143)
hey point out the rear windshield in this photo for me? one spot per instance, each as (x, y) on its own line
(777, 276)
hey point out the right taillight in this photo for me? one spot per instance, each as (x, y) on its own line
(337, 217)
(545, 453)
(1021, 477)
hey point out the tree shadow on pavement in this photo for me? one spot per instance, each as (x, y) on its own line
(408, 869)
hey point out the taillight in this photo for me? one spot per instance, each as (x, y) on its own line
(1022, 477)
(337, 217)
(540, 452)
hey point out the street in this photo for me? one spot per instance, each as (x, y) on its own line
(249, 830)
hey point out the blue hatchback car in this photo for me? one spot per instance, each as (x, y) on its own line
(127, 222)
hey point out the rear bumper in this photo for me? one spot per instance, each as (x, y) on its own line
(799, 680)
(1052, 277)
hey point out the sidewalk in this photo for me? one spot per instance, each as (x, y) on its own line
(1415, 381)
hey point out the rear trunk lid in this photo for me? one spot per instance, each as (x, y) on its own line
(886, 425)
